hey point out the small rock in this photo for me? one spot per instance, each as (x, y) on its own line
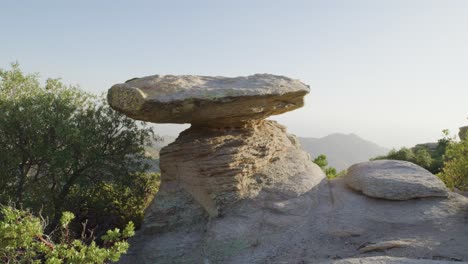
(384, 245)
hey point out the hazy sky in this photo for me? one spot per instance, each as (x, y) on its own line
(394, 72)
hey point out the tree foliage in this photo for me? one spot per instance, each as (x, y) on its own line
(455, 170)
(65, 149)
(420, 156)
(429, 157)
(322, 162)
(448, 159)
(23, 240)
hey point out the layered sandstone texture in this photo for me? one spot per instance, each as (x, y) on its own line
(216, 168)
(219, 167)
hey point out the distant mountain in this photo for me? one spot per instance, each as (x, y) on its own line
(342, 150)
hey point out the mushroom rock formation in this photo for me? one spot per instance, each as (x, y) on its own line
(236, 188)
(230, 152)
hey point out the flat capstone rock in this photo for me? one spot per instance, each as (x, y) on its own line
(394, 180)
(205, 100)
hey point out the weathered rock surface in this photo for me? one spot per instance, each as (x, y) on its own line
(219, 167)
(394, 180)
(463, 132)
(328, 222)
(207, 101)
(388, 260)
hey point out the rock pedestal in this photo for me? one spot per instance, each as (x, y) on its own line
(215, 168)
(229, 153)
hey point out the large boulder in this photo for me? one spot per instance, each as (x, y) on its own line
(394, 180)
(207, 101)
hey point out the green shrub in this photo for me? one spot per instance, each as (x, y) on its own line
(430, 158)
(107, 205)
(322, 162)
(455, 169)
(66, 150)
(22, 240)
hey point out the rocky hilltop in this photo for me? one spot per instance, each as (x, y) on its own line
(236, 188)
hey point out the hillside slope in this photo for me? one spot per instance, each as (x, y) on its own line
(342, 150)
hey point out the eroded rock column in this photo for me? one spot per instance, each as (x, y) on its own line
(229, 153)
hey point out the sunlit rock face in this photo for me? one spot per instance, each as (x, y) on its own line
(207, 101)
(219, 167)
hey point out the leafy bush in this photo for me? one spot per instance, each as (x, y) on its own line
(330, 172)
(22, 240)
(321, 161)
(65, 149)
(107, 205)
(455, 170)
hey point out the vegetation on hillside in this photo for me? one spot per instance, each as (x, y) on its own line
(429, 156)
(66, 150)
(455, 170)
(447, 158)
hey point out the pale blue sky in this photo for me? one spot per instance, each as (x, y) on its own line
(394, 72)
